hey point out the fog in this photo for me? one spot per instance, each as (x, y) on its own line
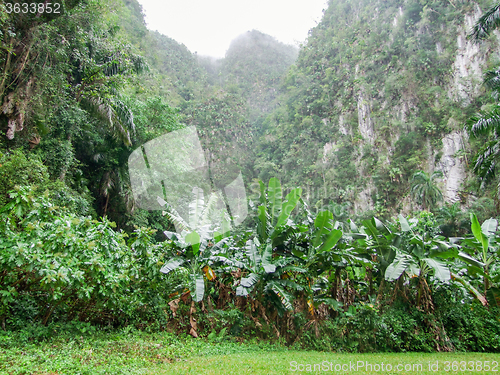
(209, 27)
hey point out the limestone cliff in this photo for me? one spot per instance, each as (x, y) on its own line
(380, 90)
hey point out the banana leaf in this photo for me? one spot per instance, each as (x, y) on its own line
(285, 297)
(441, 271)
(405, 227)
(323, 223)
(291, 201)
(493, 295)
(275, 197)
(397, 267)
(266, 259)
(333, 237)
(199, 287)
(172, 264)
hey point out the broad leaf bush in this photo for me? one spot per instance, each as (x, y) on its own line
(58, 264)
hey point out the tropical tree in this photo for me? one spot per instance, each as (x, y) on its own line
(418, 256)
(452, 219)
(270, 254)
(482, 248)
(196, 250)
(487, 124)
(424, 189)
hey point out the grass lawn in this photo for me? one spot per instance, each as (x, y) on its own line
(295, 362)
(162, 353)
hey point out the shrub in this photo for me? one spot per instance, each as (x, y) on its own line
(63, 266)
(18, 169)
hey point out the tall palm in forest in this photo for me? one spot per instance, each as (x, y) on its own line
(424, 189)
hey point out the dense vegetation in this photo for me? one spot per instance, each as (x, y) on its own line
(369, 100)
(363, 108)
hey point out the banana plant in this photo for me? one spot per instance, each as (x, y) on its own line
(376, 243)
(269, 263)
(274, 224)
(418, 260)
(482, 251)
(268, 277)
(326, 251)
(194, 240)
(418, 257)
(436, 247)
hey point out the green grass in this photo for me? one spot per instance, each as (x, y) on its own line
(131, 352)
(126, 352)
(282, 363)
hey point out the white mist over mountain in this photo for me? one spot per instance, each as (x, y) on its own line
(207, 27)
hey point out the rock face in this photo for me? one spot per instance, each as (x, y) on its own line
(452, 165)
(464, 85)
(469, 63)
(382, 89)
(365, 125)
(364, 201)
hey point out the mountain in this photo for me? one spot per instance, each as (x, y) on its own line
(255, 63)
(380, 90)
(244, 85)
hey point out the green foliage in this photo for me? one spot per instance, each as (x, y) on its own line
(484, 125)
(59, 266)
(356, 113)
(17, 169)
(453, 220)
(255, 63)
(470, 326)
(488, 22)
(424, 189)
(153, 118)
(62, 266)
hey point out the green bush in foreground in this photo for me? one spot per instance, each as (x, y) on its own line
(59, 266)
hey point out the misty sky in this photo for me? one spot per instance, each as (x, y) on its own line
(208, 26)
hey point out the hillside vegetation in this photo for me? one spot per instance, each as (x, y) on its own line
(340, 196)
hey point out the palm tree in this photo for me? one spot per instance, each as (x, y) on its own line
(424, 189)
(452, 219)
(487, 123)
(489, 21)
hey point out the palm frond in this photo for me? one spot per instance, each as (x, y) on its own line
(123, 114)
(484, 123)
(113, 112)
(107, 183)
(424, 190)
(420, 176)
(492, 79)
(436, 174)
(486, 159)
(140, 64)
(488, 22)
(122, 63)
